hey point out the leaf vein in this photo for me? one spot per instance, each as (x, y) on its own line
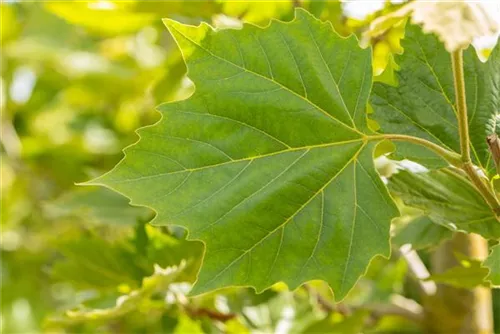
(290, 218)
(268, 79)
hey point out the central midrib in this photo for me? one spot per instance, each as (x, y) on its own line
(351, 160)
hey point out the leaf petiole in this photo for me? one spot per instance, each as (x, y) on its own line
(463, 128)
(451, 157)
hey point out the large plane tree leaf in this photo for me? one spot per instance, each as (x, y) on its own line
(268, 162)
(423, 103)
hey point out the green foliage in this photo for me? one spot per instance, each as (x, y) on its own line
(112, 18)
(332, 324)
(423, 104)
(258, 12)
(493, 264)
(448, 199)
(280, 182)
(421, 233)
(94, 262)
(96, 205)
(468, 274)
(308, 161)
(159, 281)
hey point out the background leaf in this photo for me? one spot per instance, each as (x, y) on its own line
(467, 275)
(492, 262)
(448, 199)
(422, 105)
(96, 205)
(421, 233)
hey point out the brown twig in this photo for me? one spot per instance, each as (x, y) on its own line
(212, 314)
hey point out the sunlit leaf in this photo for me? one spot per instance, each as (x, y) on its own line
(260, 12)
(188, 325)
(105, 17)
(9, 26)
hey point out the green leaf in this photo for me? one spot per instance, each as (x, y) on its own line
(267, 162)
(96, 263)
(110, 18)
(258, 12)
(10, 26)
(421, 233)
(492, 262)
(448, 199)
(96, 205)
(468, 274)
(93, 262)
(266, 313)
(188, 325)
(158, 282)
(336, 324)
(423, 103)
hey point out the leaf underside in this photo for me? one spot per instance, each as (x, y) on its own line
(448, 199)
(266, 163)
(423, 103)
(421, 233)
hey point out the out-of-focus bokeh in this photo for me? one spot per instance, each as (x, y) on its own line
(77, 79)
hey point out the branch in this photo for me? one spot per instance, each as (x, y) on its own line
(212, 314)
(463, 128)
(481, 186)
(379, 310)
(461, 105)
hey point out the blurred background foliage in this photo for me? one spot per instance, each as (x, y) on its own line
(77, 78)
